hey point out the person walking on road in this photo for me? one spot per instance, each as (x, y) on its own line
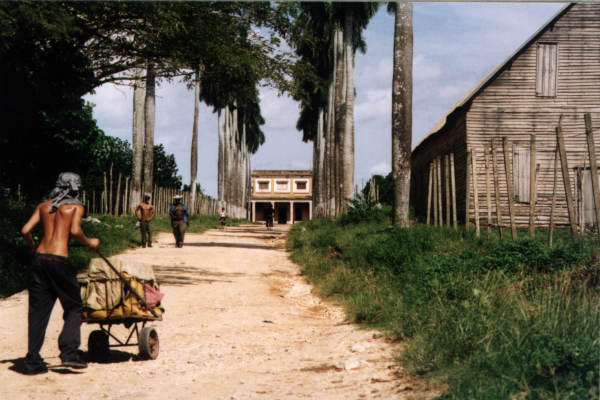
(179, 219)
(52, 276)
(223, 218)
(145, 213)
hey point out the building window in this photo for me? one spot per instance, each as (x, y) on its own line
(545, 85)
(282, 185)
(520, 172)
(263, 186)
(301, 185)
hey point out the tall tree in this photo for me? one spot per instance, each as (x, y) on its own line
(402, 111)
(137, 140)
(194, 146)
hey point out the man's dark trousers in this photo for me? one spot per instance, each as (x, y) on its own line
(146, 233)
(52, 277)
(179, 228)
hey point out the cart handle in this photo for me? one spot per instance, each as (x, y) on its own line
(127, 285)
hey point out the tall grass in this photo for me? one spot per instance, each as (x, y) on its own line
(495, 319)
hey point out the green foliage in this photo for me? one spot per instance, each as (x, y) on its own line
(364, 209)
(385, 187)
(496, 319)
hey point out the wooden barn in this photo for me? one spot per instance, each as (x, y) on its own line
(507, 130)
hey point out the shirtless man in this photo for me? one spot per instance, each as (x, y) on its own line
(145, 213)
(51, 274)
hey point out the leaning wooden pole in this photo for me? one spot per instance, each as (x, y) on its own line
(429, 185)
(439, 190)
(593, 167)
(551, 226)
(488, 194)
(118, 194)
(532, 187)
(468, 190)
(435, 196)
(453, 190)
(564, 164)
(447, 185)
(496, 188)
(509, 186)
(475, 191)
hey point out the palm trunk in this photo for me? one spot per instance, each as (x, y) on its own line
(137, 141)
(149, 110)
(402, 112)
(347, 139)
(194, 150)
(339, 119)
(220, 160)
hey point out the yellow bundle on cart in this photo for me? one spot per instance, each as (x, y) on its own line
(105, 296)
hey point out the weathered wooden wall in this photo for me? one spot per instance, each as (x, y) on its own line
(507, 106)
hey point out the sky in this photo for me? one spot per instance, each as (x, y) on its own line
(455, 46)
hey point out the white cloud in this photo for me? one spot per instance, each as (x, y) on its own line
(382, 168)
(376, 103)
(423, 69)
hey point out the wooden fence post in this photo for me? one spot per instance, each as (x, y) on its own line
(496, 188)
(104, 199)
(593, 167)
(447, 184)
(429, 184)
(566, 180)
(439, 182)
(110, 192)
(435, 193)
(551, 227)
(509, 186)
(475, 190)
(117, 201)
(468, 190)
(453, 189)
(532, 187)
(488, 195)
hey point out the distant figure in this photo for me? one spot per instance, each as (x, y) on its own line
(51, 274)
(223, 218)
(179, 219)
(145, 213)
(269, 216)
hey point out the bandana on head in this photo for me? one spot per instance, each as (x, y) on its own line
(66, 190)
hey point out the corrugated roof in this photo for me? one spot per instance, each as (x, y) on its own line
(491, 76)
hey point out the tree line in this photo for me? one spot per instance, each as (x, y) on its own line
(54, 54)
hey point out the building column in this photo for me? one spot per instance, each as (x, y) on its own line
(310, 210)
(292, 211)
(253, 211)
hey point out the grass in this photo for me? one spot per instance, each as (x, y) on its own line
(115, 233)
(495, 319)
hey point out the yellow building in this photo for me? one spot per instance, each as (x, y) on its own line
(289, 192)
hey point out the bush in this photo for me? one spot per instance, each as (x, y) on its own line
(499, 318)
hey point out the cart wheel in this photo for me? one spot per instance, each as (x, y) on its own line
(148, 343)
(98, 346)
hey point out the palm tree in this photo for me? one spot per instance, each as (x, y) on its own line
(149, 121)
(194, 147)
(137, 140)
(402, 111)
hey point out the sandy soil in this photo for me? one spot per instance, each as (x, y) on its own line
(240, 323)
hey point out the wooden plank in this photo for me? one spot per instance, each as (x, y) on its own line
(488, 195)
(551, 226)
(439, 182)
(429, 196)
(508, 174)
(447, 185)
(532, 187)
(435, 192)
(566, 180)
(496, 188)
(468, 190)
(453, 182)
(475, 190)
(593, 167)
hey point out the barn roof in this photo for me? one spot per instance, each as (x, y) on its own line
(489, 78)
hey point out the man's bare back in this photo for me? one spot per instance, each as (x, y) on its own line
(58, 228)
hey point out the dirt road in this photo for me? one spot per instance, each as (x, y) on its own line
(240, 323)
